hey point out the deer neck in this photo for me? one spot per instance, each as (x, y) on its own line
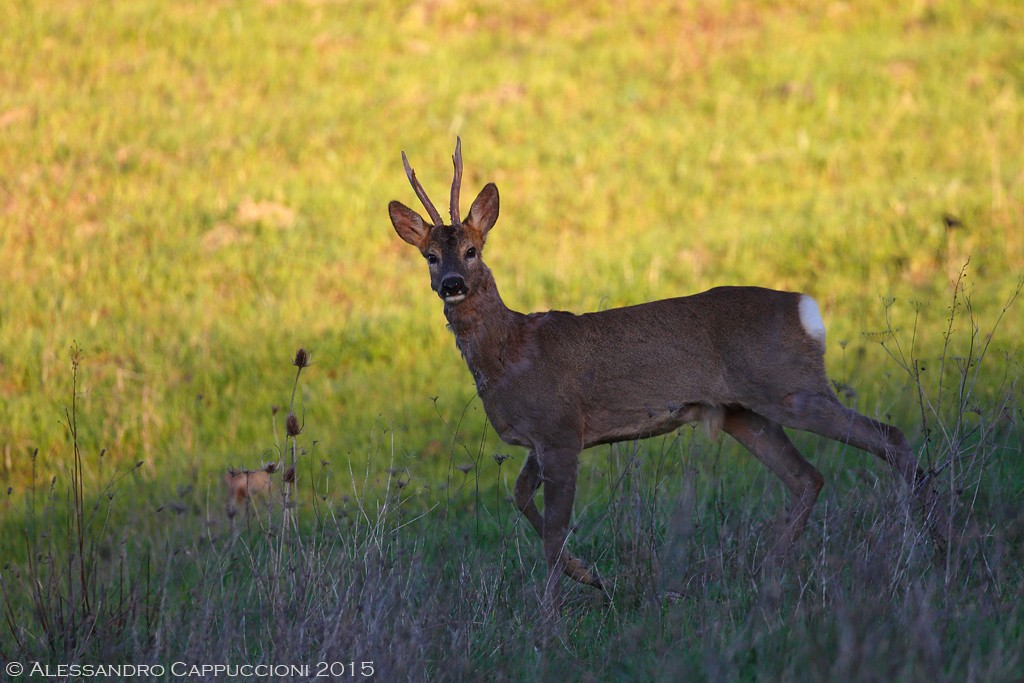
(486, 333)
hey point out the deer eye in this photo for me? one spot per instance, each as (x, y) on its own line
(432, 259)
(471, 253)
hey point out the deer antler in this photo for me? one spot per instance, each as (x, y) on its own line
(421, 193)
(457, 181)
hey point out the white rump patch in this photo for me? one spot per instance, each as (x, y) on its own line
(810, 318)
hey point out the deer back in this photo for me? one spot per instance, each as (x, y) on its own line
(642, 370)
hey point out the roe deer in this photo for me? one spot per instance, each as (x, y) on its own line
(750, 361)
(242, 485)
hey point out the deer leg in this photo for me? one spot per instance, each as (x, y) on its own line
(823, 414)
(526, 487)
(559, 472)
(769, 444)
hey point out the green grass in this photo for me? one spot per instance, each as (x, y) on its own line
(191, 191)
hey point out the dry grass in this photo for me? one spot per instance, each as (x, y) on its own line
(190, 188)
(451, 592)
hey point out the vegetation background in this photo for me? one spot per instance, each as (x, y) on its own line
(191, 191)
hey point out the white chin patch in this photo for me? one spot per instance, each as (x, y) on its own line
(454, 299)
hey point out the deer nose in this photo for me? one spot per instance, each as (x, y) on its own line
(452, 285)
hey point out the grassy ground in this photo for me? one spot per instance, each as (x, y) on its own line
(191, 191)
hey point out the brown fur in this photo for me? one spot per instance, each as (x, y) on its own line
(737, 358)
(242, 485)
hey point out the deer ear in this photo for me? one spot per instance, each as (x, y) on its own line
(484, 211)
(409, 225)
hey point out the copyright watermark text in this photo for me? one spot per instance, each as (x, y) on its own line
(183, 671)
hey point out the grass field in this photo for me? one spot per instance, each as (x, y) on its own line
(191, 191)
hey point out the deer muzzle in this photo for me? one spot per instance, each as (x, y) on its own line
(453, 289)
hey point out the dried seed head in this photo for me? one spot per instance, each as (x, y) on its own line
(292, 425)
(270, 467)
(301, 359)
(465, 468)
(289, 475)
(274, 409)
(501, 457)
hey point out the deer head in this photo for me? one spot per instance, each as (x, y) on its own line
(454, 251)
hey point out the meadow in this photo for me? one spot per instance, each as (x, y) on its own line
(190, 192)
